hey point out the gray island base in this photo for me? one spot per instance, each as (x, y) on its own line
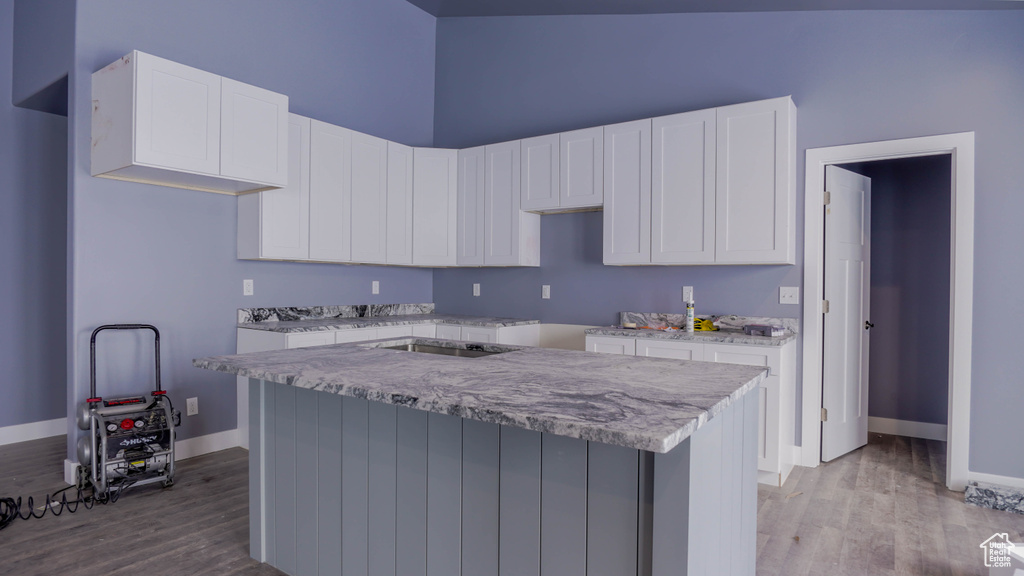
(403, 471)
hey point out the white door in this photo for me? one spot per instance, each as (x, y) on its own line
(539, 173)
(581, 167)
(368, 181)
(399, 233)
(433, 206)
(627, 193)
(501, 205)
(330, 207)
(177, 116)
(471, 207)
(479, 334)
(847, 290)
(284, 212)
(254, 133)
(683, 188)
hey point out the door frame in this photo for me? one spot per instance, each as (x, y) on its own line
(961, 286)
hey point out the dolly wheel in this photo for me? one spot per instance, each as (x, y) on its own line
(168, 482)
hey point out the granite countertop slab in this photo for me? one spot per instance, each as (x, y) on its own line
(714, 336)
(322, 324)
(637, 402)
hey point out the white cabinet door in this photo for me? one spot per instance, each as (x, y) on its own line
(274, 224)
(304, 339)
(756, 192)
(539, 174)
(449, 332)
(479, 334)
(501, 204)
(627, 193)
(434, 211)
(177, 116)
(611, 345)
(471, 206)
(683, 188)
(394, 331)
(330, 207)
(581, 168)
(669, 349)
(768, 356)
(355, 335)
(254, 133)
(399, 212)
(424, 330)
(367, 181)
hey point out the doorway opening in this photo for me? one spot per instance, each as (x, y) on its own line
(960, 149)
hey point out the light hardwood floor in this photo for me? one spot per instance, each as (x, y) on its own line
(880, 510)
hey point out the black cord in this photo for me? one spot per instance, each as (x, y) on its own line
(11, 509)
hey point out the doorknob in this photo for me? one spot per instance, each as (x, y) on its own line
(868, 325)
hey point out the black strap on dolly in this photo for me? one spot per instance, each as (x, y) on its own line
(92, 354)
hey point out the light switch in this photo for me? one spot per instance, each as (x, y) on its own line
(476, 289)
(789, 294)
(247, 287)
(375, 287)
(545, 292)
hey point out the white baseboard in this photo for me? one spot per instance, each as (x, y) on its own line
(1006, 481)
(925, 430)
(205, 444)
(33, 431)
(183, 449)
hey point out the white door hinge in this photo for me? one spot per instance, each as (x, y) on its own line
(824, 414)
(824, 306)
(828, 197)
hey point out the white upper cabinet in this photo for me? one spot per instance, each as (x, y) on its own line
(330, 203)
(160, 122)
(756, 193)
(254, 133)
(274, 224)
(368, 181)
(471, 205)
(399, 212)
(683, 188)
(434, 197)
(501, 204)
(627, 193)
(581, 168)
(539, 173)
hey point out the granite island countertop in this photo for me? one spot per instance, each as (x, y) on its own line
(324, 324)
(636, 402)
(711, 336)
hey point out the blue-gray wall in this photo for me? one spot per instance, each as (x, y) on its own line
(909, 356)
(33, 222)
(165, 256)
(44, 41)
(857, 76)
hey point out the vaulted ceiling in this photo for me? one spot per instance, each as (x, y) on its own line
(460, 8)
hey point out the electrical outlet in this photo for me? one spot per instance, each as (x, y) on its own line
(247, 287)
(476, 289)
(789, 294)
(192, 406)
(545, 292)
(375, 287)
(687, 293)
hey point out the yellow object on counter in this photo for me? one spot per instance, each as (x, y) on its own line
(704, 325)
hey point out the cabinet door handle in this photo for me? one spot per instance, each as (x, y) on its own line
(868, 325)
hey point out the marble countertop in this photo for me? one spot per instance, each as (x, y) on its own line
(643, 403)
(321, 324)
(711, 336)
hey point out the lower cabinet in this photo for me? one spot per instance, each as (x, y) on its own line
(776, 447)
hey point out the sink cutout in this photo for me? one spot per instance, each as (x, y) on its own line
(470, 351)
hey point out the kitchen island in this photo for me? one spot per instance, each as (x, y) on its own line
(366, 459)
